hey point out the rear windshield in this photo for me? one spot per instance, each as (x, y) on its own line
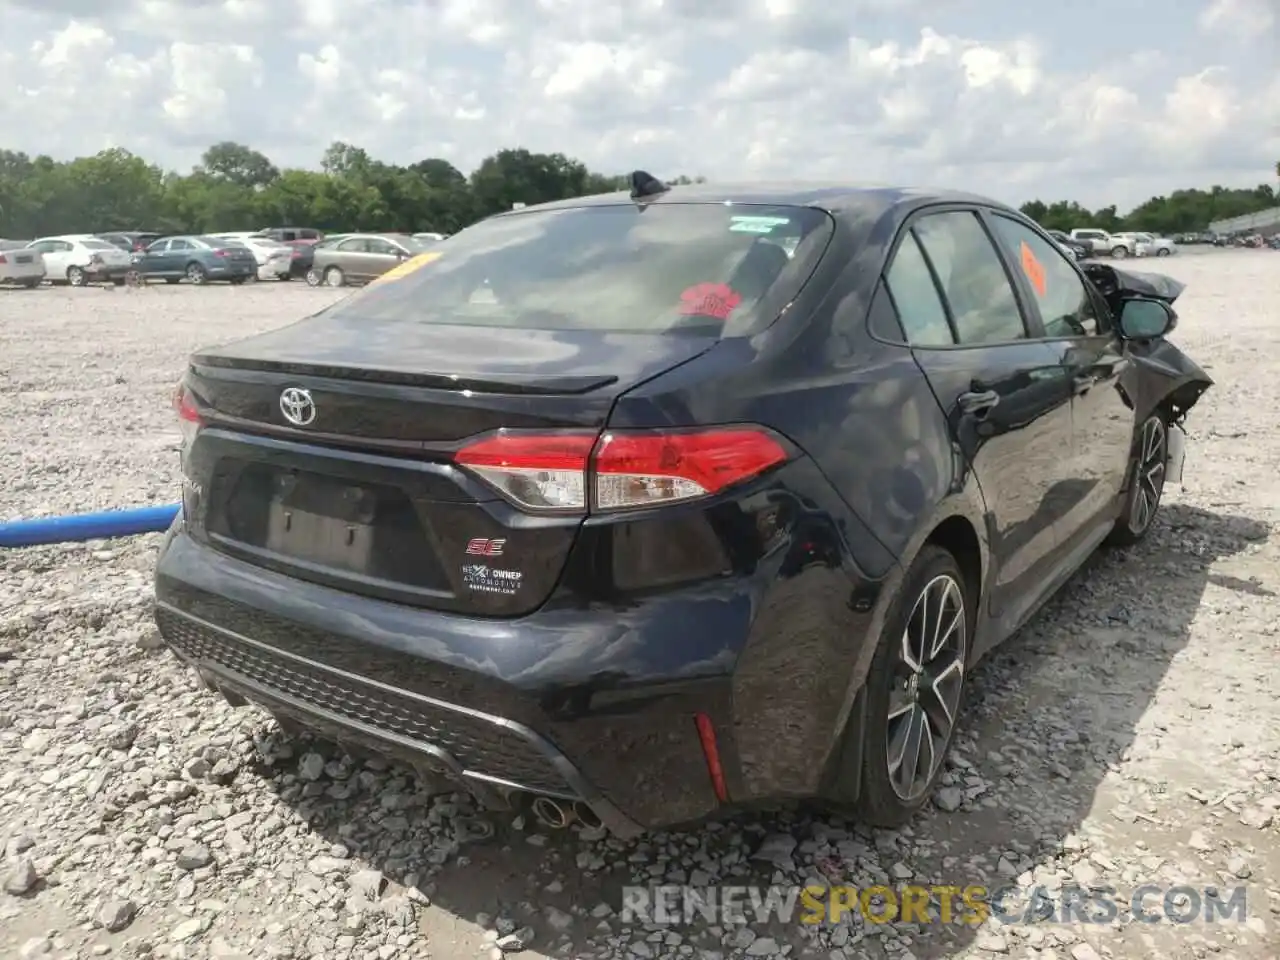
(725, 269)
(97, 245)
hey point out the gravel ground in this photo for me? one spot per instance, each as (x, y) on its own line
(1130, 735)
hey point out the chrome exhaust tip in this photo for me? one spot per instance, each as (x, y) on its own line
(586, 816)
(551, 813)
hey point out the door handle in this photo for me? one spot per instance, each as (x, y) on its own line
(1083, 383)
(978, 402)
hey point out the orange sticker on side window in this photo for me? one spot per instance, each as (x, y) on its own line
(1034, 270)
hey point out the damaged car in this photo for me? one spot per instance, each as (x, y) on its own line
(639, 508)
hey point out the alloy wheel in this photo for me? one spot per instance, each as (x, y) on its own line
(77, 277)
(928, 679)
(1148, 475)
(195, 274)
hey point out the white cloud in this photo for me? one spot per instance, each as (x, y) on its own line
(731, 89)
(1241, 19)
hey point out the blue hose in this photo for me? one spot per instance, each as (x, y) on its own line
(87, 526)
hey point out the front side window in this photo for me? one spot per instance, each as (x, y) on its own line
(920, 309)
(1065, 305)
(699, 268)
(972, 276)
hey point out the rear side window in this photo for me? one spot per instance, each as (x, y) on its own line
(920, 310)
(1066, 307)
(972, 276)
(698, 268)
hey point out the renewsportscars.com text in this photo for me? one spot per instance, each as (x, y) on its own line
(968, 905)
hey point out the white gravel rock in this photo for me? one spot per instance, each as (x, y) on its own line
(1129, 735)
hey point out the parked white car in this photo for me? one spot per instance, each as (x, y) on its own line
(80, 258)
(274, 258)
(1104, 243)
(21, 266)
(1149, 245)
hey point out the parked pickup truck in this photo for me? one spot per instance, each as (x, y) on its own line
(1102, 242)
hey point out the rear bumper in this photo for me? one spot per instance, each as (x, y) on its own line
(577, 702)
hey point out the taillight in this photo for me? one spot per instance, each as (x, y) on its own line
(621, 469)
(189, 419)
(219, 253)
(2, 258)
(541, 472)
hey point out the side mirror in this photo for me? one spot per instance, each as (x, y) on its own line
(1146, 319)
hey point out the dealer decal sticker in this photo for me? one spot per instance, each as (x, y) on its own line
(485, 579)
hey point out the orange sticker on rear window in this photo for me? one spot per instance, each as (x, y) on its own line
(1034, 270)
(709, 300)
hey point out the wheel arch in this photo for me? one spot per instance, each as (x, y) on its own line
(957, 527)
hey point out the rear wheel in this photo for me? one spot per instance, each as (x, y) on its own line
(1146, 483)
(196, 274)
(77, 277)
(1163, 252)
(1119, 252)
(334, 277)
(914, 690)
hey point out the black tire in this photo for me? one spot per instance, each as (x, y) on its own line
(77, 277)
(196, 274)
(118, 281)
(312, 277)
(1162, 252)
(1119, 252)
(172, 279)
(32, 284)
(1145, 482)
(334, 277)
(894, 686)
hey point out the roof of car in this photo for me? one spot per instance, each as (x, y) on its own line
(834, 197)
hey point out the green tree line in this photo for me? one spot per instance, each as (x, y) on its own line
(235, 187)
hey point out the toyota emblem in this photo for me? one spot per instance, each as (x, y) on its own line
(297, 406)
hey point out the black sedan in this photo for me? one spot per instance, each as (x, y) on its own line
(642, 507)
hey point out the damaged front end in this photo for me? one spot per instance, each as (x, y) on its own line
(1162, 375)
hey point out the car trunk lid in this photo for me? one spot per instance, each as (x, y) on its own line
(352, 483)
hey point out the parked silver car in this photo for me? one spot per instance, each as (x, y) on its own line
(362, 257)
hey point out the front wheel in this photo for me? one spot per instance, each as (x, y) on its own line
(334, 277)
(196, 273)
(1146, 483)
(1163, 252)
(914, 689)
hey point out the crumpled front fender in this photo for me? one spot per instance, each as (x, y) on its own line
(1160, 374)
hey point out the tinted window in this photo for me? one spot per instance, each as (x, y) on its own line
(97, 245)
(384, 247)
(972, 277)
(712, 269)
(920, 310)
(1065, 305)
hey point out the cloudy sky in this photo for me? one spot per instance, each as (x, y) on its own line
(1104, 101)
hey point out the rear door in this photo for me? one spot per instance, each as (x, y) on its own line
(1077, 325)
(1003, 391)
(350, 256)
